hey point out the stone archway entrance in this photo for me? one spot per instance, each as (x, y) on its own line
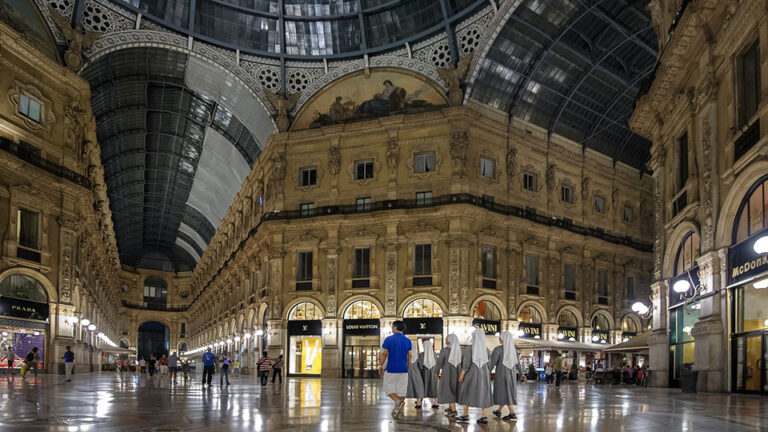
(153, 339)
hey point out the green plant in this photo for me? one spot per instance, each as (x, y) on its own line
(109, 367)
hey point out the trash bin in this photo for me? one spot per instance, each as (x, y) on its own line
(688, 381)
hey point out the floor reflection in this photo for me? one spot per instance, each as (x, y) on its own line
(127, 402)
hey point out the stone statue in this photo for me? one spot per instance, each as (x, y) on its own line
(511, 162)
(78, 39)
(551, 177)
(393, 154)
(453, 76)
(459, 147)
(282, 105)
(585, 188)
(334, 159)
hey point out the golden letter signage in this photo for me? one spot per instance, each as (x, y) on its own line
(488, 326)
(744, 263)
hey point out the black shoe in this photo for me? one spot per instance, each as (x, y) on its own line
(497, 413)
(435, 406)
(510, 417)
(451, 413)
(462, 419)
(482, 420)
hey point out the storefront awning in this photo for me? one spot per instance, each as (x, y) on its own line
(637, 343)
(116, 350)
(538, 344)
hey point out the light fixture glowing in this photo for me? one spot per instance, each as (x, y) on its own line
(625, 340)
(595, 338)
(521, 333)
(537, 337)
(602, 341)
(681, 286)
(37, 333)
(85, 322)
(73, 320)
(259, 332)
(761, 245)
(101, 335)
(572, 339)
(761, 284)
(497, 334)
(237, 338)
(687, 329)
(765, 323)
(640, 308)
(560, 336)
(92, 327)
(229, 341)
(5, 333)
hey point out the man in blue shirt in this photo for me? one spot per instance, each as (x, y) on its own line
(209, 362)
(396, 354)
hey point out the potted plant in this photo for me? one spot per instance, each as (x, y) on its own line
(532, 374)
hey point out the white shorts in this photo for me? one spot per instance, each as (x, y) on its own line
(396, 383)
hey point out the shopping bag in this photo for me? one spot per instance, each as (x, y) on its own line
(25, 369)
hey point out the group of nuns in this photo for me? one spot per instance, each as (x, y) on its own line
(464, 378)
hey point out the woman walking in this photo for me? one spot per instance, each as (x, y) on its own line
(448, 374)
(507, 364)
(475, 378)
(415, 382)
(428, 366)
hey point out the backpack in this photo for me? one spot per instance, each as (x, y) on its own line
(30, 356)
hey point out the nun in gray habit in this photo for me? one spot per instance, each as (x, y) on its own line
(475, 378)
(504, 358)
(415, 381)
(448, 364)
(428, 365)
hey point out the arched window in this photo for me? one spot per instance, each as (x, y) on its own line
(486, 310)
(529, 314)
(599, 322)
(751, 217)
(305, 311)
(23, 287)
(155, 292)
(423, 308)
(567, 319)
(628, 325)
(362, 309)
(687, 253)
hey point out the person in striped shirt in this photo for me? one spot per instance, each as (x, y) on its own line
(265, 364)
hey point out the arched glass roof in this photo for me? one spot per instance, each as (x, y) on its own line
(307, 28)
(574, 68)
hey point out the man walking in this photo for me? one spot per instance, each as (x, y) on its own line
(224, 371)
(32, 359)
(209, 366)
(558, 367)
(69, 363)
(277, 370)
(265, 364)
(396, 354)
(11, 357)
(173, 366)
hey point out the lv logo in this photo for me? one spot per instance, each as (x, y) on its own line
(422, 326)
(304, 327)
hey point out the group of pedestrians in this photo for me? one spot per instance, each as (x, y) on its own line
(455, 377)
(29, 364)
(265, 364)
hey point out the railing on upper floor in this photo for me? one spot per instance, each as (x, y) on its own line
(25, 153)
(154, 307)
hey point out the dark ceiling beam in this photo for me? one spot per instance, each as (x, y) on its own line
(533, 66)
(77, 12)
(627, 32)
(452, 46)
(575, 87)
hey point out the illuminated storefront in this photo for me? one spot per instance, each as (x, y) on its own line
(305, 340)
(362, 340)
(423, 320)
(683, 314)
(24, 315)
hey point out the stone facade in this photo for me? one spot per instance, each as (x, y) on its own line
(696, 94)
(52, 169)
(247, 278)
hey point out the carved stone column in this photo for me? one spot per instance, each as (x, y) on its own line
(513, 279)
(707, 154)
(458, 284)
(332, 260)
(67, 238)
(658, 341)
(390, 281)
(276, 283)
(709, 332)
(658, 156)
(552, 288)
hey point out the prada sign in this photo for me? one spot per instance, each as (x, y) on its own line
(361, 327)
(490, 327)
(423, 325)
(530, 330)
(306, 327)
(744, 263)
(17, 308)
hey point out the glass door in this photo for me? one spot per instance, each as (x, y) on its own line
(361, 356)
(751, 351)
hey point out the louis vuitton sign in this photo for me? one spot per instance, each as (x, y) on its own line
(361, 327)
(423, 325)
(305, 327)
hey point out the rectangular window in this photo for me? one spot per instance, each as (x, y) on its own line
(749, 83)
(532, 270)
(529, 181)
(424, 198)
(308, 177)
(28, 229)
(304, 266)
(568, 279)
(183, 328)
(489, 262)
(307, 209)
(29, 108)
(602, 286)
(364, 170)
(599, 204)
(628, 214)
(422, 259)
(363, 204)
(566, 194)
(630, 289)
(486, 167)
(424, 162)
(362, 263)
(682, 161)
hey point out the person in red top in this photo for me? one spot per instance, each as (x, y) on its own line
(265, 364)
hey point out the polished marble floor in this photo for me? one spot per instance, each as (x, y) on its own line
(114, 402)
